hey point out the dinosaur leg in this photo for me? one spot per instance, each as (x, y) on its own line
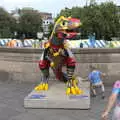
(70, 71)
(44, 66)
(72, 84)
(64, 77)
(72, 87)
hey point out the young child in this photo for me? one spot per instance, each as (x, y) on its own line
(96, 81)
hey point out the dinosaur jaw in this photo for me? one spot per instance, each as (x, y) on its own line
(71, 35)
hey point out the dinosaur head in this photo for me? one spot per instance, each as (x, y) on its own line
(68, 26)
(64, 28)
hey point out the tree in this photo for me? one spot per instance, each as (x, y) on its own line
(50, 29)
(6, 24)
(110, 21)
(66, 12)
(30, 22)
(103, 19)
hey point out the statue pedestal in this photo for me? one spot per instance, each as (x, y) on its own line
(55, 97)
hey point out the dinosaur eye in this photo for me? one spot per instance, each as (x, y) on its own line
(63, 23)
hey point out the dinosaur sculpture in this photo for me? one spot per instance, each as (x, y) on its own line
(57, 54)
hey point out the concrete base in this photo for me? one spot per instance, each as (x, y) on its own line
(55, 97)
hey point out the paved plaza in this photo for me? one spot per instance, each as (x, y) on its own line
(12, 100)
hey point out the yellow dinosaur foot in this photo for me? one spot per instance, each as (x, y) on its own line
(74, 91)
(75, 82)
(42, 86)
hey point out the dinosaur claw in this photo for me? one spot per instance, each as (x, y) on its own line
(46, 87)
(78, 90)
(40, 87)
(74, 91)
(68, 91)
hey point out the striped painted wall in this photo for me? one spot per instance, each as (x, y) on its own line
(98, 44)
(72, 43)
(3, 42)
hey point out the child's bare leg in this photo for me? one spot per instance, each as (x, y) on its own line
(103, 91)
(94, 91)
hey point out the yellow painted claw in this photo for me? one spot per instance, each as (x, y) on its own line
(40, 87)
(81, 91)
(78, 90)
(46, 86)
(68, 91)
(75, 82)
(43, 85)
(74, 91)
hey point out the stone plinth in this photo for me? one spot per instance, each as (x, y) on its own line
(55, 97)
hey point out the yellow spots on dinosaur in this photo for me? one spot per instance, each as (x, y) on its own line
(52, 64)
(55, 54)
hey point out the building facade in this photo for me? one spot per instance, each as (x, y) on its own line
(47, 20)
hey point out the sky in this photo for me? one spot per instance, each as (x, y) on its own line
(51, 6)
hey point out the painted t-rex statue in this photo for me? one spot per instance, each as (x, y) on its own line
(57, 54)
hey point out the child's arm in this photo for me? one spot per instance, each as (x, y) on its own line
(89, 78)
(86, 79)
(103, 74)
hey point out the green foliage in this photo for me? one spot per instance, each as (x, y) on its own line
(103, 19)
(6, 24)
(50, 29)
(30, 22)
